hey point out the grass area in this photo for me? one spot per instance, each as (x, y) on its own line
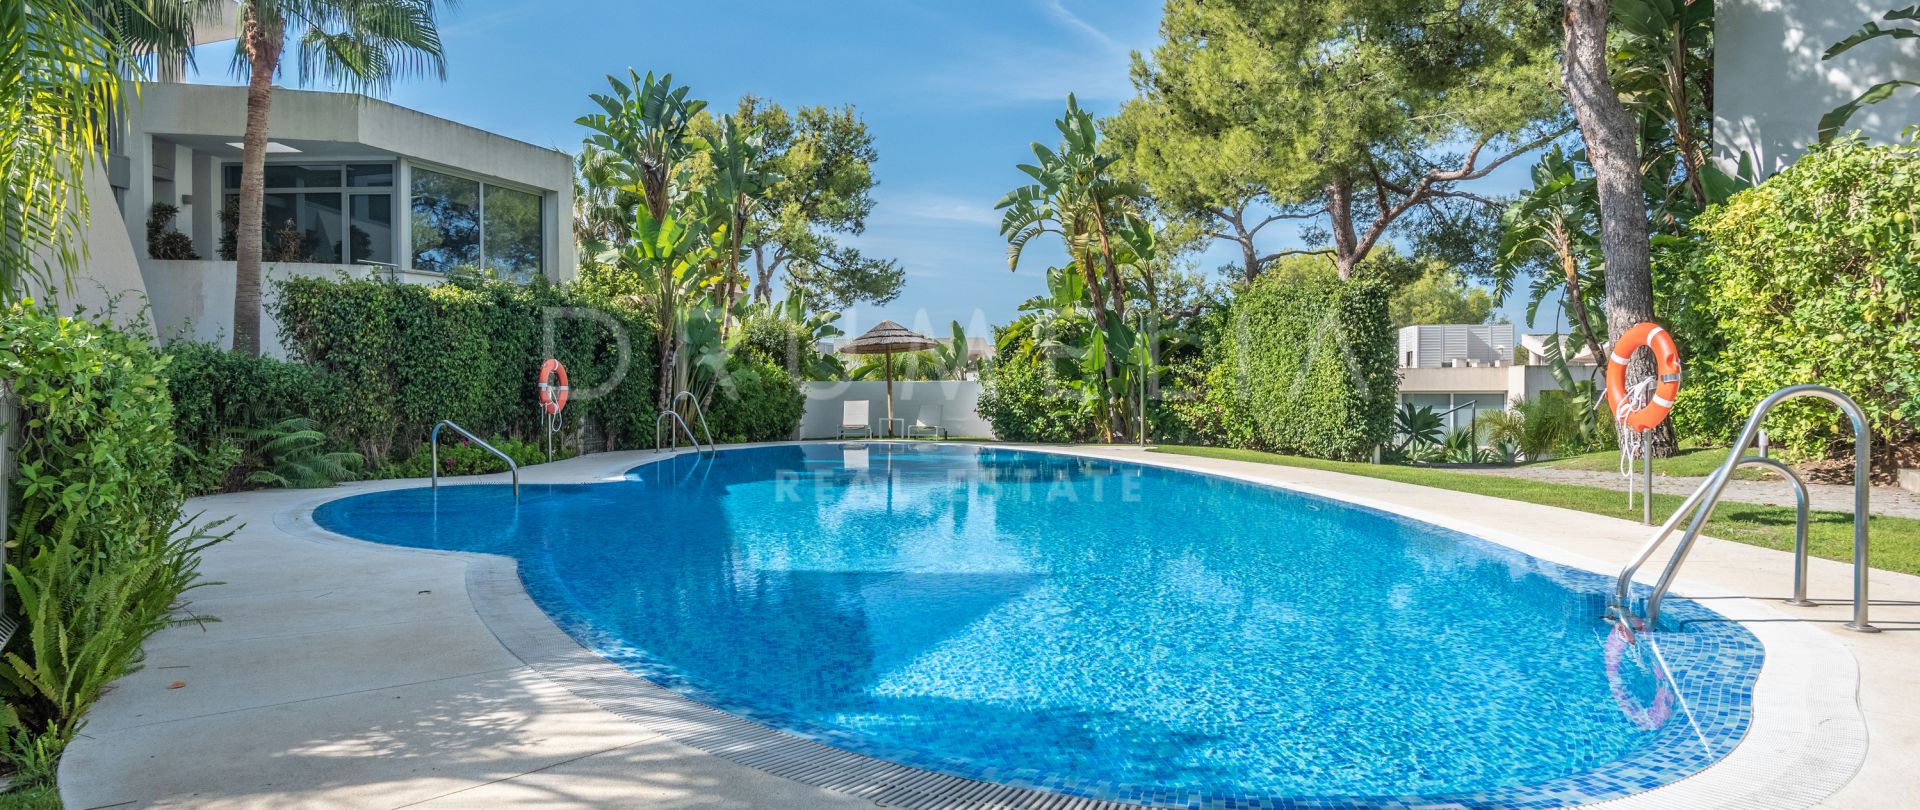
(1688, 463)
(1896, 541)
(38, 797)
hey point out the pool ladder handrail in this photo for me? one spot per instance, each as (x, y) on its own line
(677, 418)
(433, 445)
(1701, 503)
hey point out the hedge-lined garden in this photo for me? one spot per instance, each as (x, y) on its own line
(99, 552)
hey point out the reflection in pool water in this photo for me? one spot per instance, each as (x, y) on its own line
(1101, 628)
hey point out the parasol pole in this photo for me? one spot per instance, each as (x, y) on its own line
(889, 395)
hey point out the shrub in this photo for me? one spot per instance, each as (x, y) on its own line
(220, 397)
(407, 356)
(101, 555)
(1024, 401)
(1307, 367)
(762, 403)
(163, 242)
(461, 457)
(1814, 276)
(789, 345)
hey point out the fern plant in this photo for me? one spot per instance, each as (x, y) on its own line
(89, 613)
(293, 454)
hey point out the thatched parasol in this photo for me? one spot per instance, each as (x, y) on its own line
(886, 338)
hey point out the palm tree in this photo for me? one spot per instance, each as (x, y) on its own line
(61, 67)
(1076, 196)
(1554, 222)
(646, 134)
(358, 45)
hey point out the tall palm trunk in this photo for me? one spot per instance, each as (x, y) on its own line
(1613, 148)
(263, 59)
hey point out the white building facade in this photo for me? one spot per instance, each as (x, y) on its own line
(1463, 370)
(354, 186)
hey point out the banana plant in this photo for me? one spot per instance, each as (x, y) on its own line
(644, 137)
(1555, 223)
(1076, 197)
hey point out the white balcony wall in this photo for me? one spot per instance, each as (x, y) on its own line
(193, 300)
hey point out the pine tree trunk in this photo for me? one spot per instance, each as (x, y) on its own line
(1613, 148)
(263, 58)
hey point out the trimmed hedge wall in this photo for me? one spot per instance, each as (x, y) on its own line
(1306, 368)
(1810, 277)
(405, 356)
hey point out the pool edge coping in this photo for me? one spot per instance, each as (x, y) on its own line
(1807, 738)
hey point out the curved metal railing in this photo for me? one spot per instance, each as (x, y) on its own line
(677, 418)
(433, 444)
(1700, 504)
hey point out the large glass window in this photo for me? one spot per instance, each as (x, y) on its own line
(446, 221)
(307, 216)
(513, 233)
(463, 223)
(370, 226)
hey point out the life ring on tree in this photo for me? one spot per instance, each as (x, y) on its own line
(553, 397)
(1636, 409)
(1648, 717)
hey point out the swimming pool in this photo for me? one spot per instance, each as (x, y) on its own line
(1101, 628)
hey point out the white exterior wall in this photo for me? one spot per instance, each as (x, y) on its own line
(958, 401)
(108, 275)
(193, 300)
(1771, 86)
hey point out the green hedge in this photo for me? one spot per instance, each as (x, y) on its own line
(1022, 397)
(406, 356)
(1810, 277)
(99, 551)
(219, 395)
(1305, 368)
(763, 403)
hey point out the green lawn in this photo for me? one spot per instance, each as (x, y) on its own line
(1689, 462)
(1896, 541)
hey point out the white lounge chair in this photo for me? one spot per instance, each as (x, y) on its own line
(927, 423)
(854, 419)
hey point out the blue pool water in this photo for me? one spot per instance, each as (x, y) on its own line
(1102, 628)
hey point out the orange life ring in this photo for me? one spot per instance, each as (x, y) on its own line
(1666, 357)
(552, 397)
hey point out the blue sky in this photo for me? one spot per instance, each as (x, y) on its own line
(953, 93)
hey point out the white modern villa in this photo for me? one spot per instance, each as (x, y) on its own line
(354, 186)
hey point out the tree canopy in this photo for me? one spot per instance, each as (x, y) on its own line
(1349, 113)
(823, 157)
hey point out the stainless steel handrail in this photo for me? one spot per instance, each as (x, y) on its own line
(676, 437)
(433, 445)
(697, 411)
(1700, 506)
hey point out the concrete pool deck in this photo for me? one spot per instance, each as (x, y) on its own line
(348, 674)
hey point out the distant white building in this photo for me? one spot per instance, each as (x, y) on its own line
(1462, 370)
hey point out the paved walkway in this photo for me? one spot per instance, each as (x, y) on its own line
(350, 675)
(1890, 501)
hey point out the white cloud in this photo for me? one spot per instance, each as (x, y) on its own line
(1059, 12)
(939, 208)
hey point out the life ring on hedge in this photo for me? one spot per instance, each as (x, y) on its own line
(1649, 717)
(1635, 408)
(553, 397)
